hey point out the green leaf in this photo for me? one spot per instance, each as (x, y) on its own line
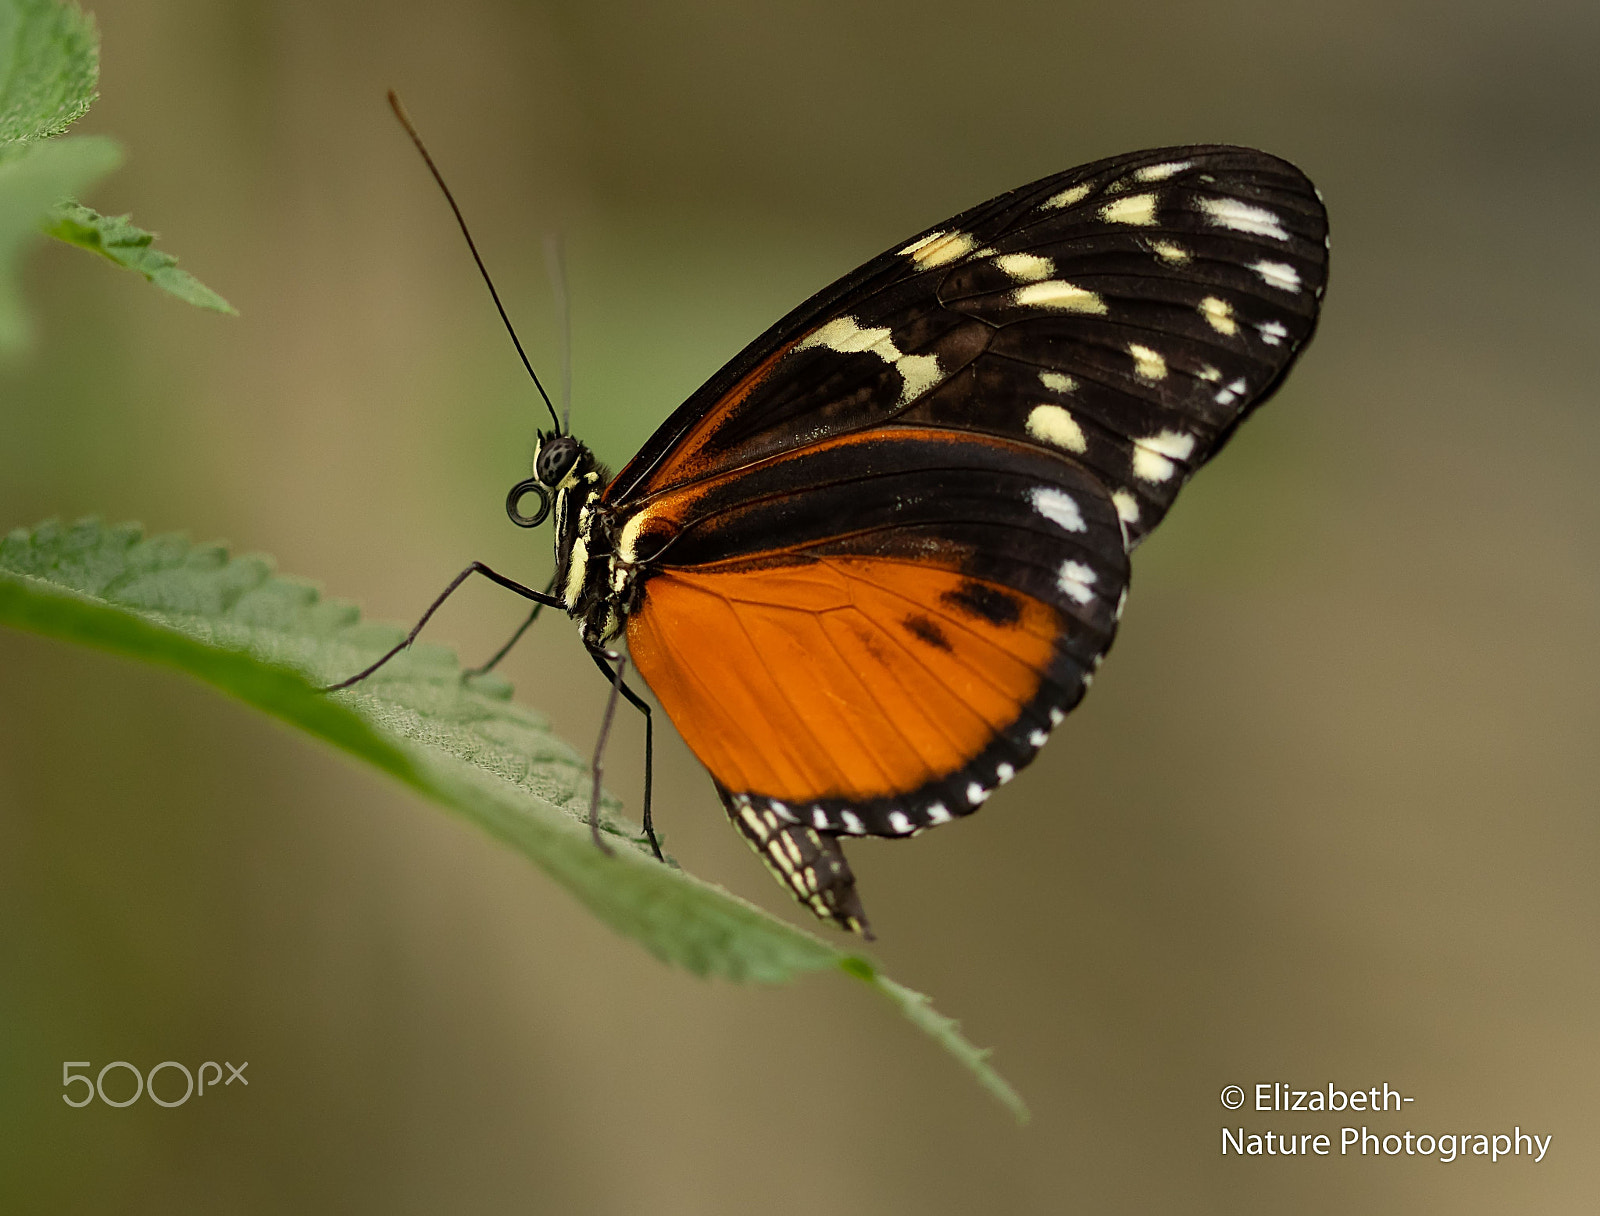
(49, 66)
(273, 643)
(33, 178)
(113, 237)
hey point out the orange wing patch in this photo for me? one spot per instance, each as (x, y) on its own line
(854, 678)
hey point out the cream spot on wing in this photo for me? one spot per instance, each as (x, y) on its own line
(1136, 209)
(1169, 251)
(1242, 217)
(754, 822)
(1220, 314)
(1025, 267)
(1127, 506)
(1057, 382)
(1075, 580)
(1278, 274)
(1147, 363)
(1059, 507)
(1160, 173)
(843, 334)
(938, 814)
(1059, 295)
(920, 373)
(1053, 425)
(1209, 373)
(846, 336)
(938, 248)
(1074, 194)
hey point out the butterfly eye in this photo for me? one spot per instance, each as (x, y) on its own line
(514, 501)
(555, 460)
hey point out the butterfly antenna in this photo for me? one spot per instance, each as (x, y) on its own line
(555, 261)
(405, 121)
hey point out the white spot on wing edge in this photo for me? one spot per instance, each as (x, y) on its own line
(1004, 773)
(1059, 507)
(1053, 425)
(1127, 506)
(1075, 580)
(1228, 395)
(937, 813)
(1059, 295)
(1272, 332)
(1242, 217)
(899, 822)
(1136, 209)
(852, 822)
(1153, 457)
(976, 793)
(1177, 444)
(1277, 274)
(1025, 267)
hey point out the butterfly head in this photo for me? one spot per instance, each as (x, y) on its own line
(559, 463)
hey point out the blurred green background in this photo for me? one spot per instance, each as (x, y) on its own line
(1328, 815)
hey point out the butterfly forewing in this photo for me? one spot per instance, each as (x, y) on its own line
(1148, 302)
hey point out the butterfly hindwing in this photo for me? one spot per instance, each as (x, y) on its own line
(871, 634)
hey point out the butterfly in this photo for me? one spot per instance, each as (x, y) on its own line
(879, 556)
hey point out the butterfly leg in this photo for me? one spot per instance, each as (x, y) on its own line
(538, 597)
(604, 658)
(643, 706)
(515, 637)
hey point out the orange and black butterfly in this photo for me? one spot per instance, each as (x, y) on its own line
(872, 563)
